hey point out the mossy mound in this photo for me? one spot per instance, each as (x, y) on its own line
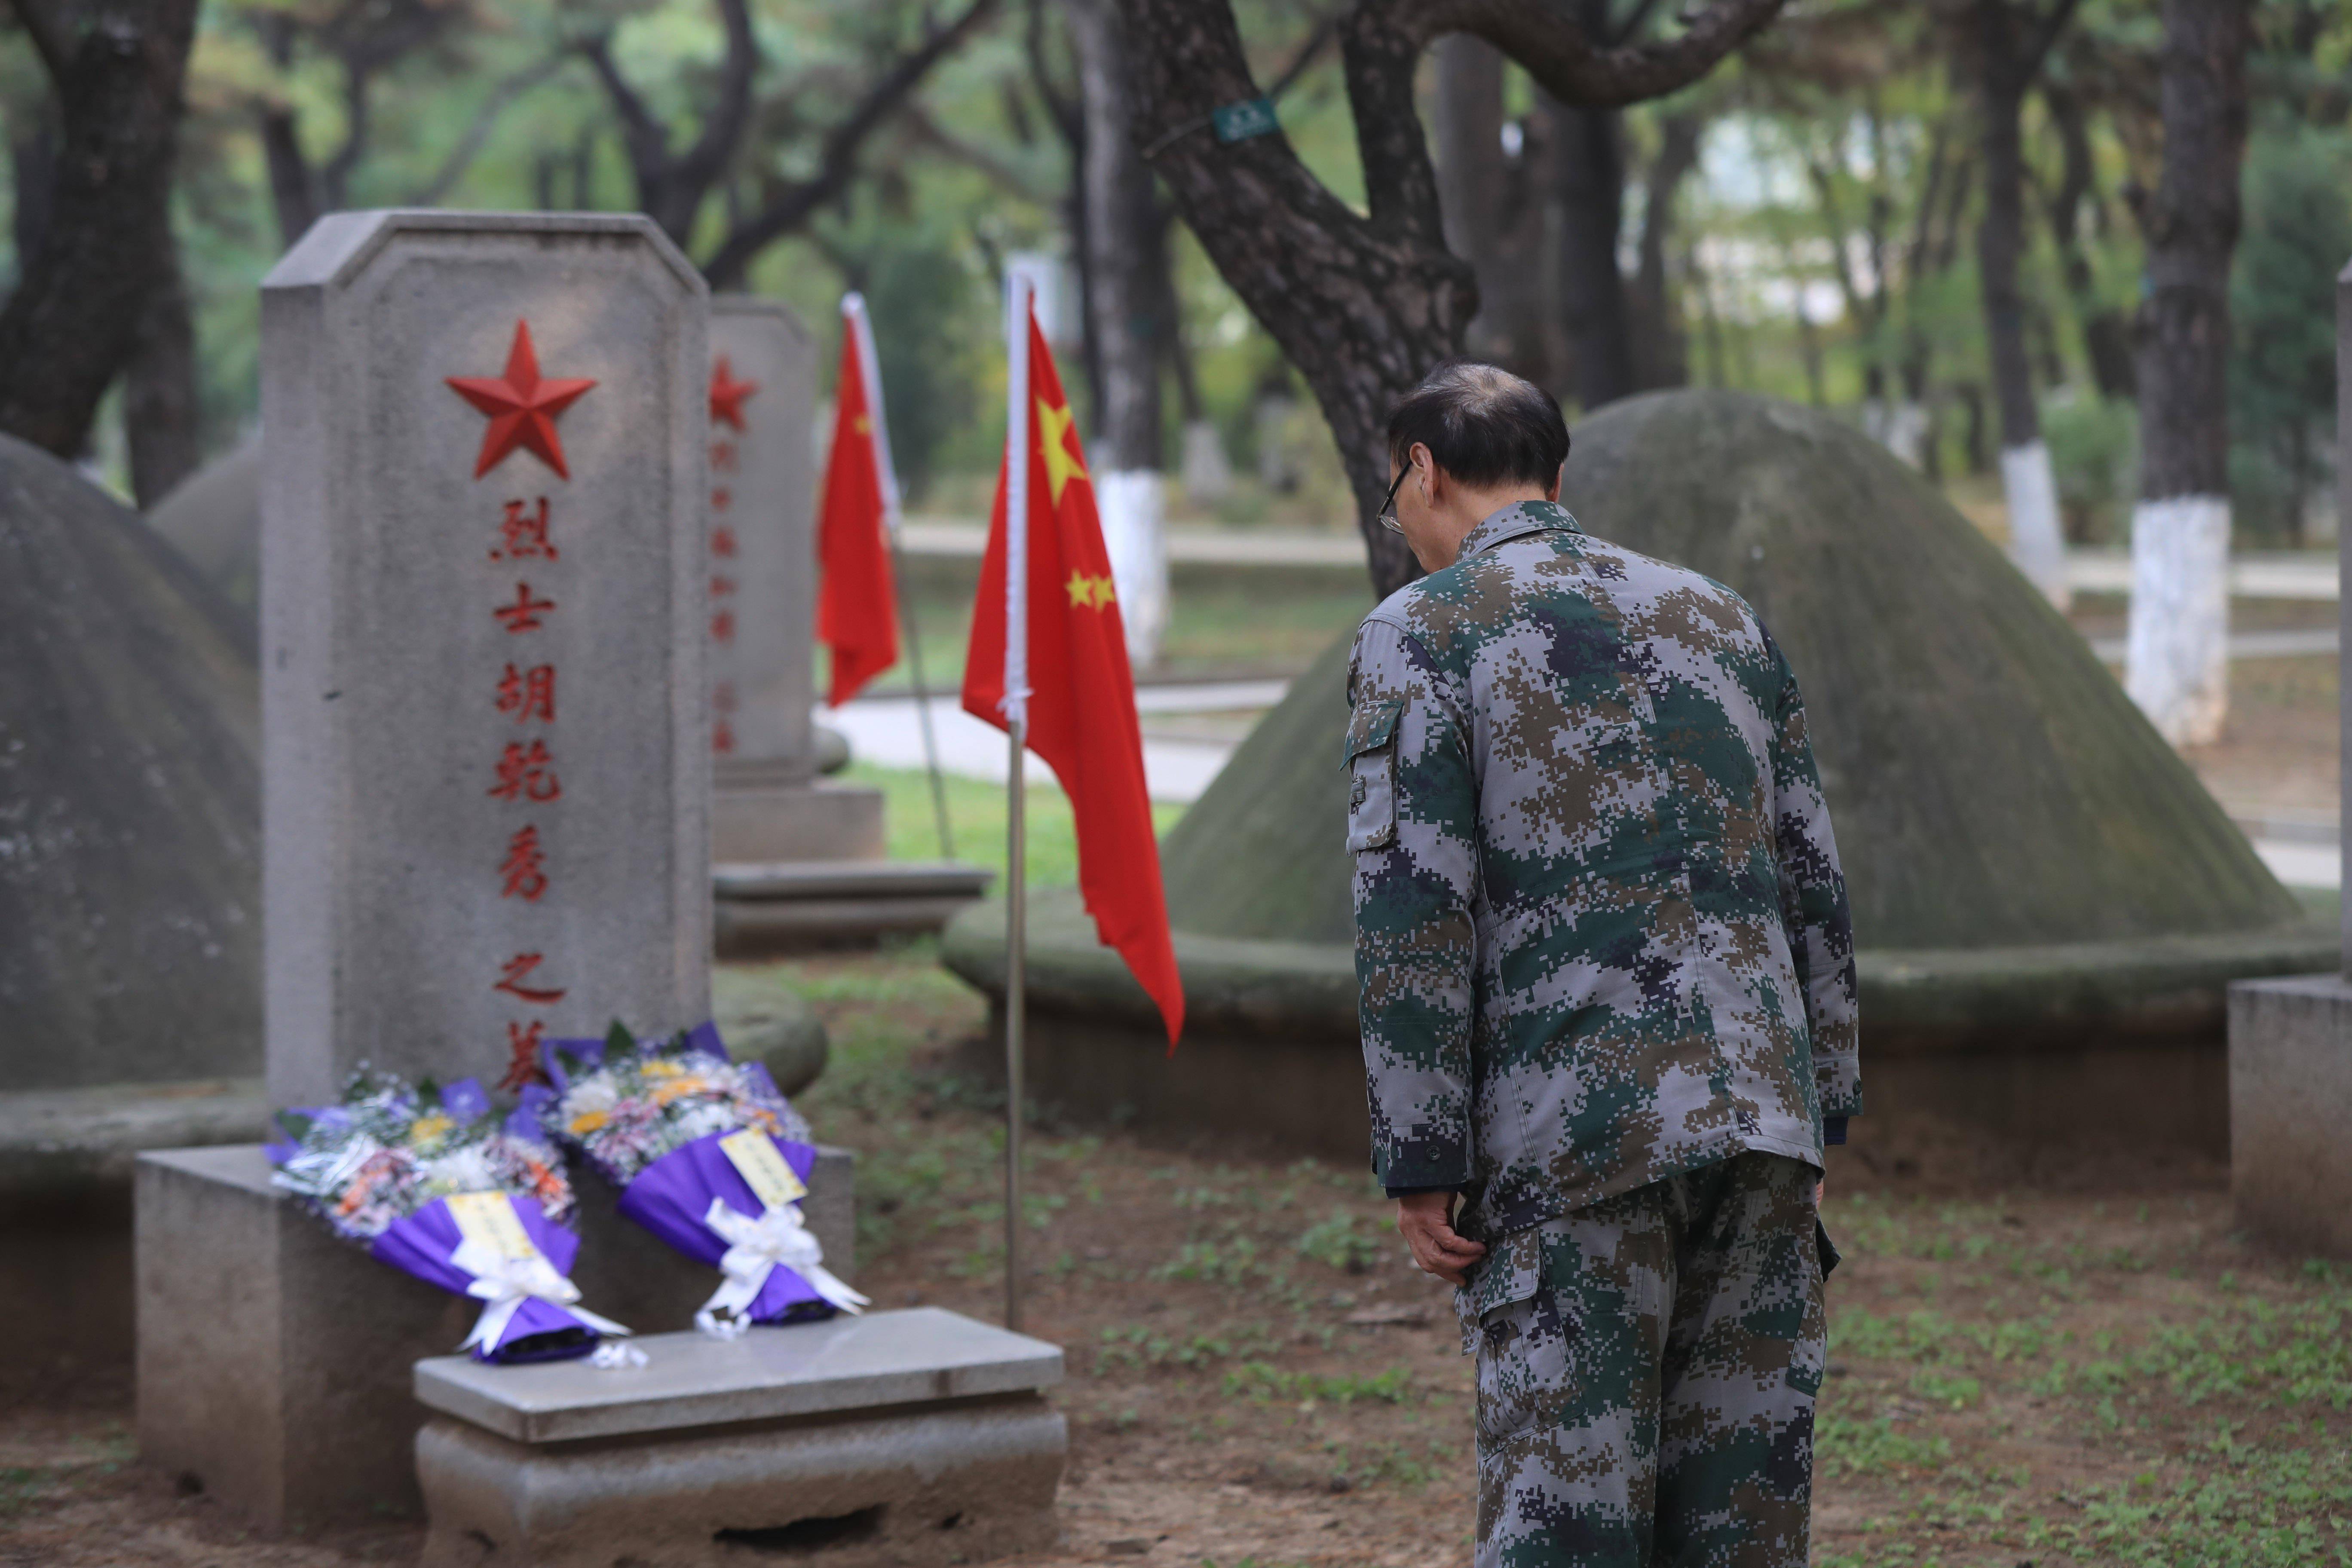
(1991, 783)
(2019, 842)
(129, 799)
(214, 519)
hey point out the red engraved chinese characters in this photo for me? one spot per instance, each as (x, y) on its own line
(524, 534)
(514, 978)
(526, 614)
(526, 772)
(722, 542)
(528, 694)
(525, 870)
(523, 1066)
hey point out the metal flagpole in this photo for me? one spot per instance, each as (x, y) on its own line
(1016, 713)
(1016, 986)
(869, 367)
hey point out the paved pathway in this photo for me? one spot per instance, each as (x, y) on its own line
(886, 732)
(2263, 575)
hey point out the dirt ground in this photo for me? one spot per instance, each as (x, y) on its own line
(2094, 1370)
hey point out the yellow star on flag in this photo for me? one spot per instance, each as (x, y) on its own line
(1084, 591)
(1062, 464)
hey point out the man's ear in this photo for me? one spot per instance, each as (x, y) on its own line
(1552, 492)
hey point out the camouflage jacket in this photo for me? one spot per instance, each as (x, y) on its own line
(1602, 937)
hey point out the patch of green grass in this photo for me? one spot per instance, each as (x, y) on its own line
(1340, 1241)
(18, 1488)
(1847, 1447)
(977, 815)
(2236, 1506)
(1259, 1380)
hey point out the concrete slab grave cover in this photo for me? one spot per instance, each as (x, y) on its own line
(918, 1436)
(273, 1357)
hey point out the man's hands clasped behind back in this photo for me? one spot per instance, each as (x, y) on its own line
(1426, 1222)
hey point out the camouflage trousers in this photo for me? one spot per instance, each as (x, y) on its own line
(1646, 1375)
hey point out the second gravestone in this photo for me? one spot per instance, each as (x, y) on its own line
(768, 804)
(485, 780)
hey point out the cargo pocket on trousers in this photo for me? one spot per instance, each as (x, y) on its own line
(1520, 1340)
(1371, 774)
(1522, 1364)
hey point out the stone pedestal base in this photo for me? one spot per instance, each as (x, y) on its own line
(900, 1438)
(766, 817)
(2289, 1105)
(273, 1359)
(919, 1487)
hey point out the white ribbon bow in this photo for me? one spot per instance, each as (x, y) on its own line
(506, 1283)
(754, 1250)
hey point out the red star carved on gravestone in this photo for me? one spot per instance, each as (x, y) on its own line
(521, 406)
(727, 395)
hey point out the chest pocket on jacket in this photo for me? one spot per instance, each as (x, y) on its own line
(1371, 774)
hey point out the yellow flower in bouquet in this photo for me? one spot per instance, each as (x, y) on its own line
(426, 1128)
(587, 1122)
(679, 1087)
(659, 1069)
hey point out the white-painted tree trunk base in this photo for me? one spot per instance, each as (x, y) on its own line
(2035, 541)
(1208, 476)
(1133, 503)
(2177, 657)
(1901, 428)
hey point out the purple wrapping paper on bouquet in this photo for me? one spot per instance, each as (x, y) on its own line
(628, 1104)
(364, 1165)
(539, 1330)
(672, 1197)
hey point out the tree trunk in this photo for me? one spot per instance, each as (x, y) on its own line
(2176, 666)
(2106, 340)
(1589, 151)
(33, 172)
(1493, 197)
(1661, 348)
(2003, 75)
(160, 413)
(1467, 140)
(1364, 305)
(1123, 234)
(117, 68)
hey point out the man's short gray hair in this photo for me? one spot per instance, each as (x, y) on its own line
(1485, 426)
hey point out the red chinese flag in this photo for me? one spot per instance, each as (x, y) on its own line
(1069, 650)
(856, 611)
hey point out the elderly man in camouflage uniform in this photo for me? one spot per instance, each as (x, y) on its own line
(1607, 990)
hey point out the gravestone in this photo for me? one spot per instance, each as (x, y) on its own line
(486, 770)
(767, 803)
(2291, 1040)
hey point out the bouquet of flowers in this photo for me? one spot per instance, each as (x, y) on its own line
(708, 1155)
(432, 1183)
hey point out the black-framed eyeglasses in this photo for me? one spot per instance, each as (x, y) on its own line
(1388, 502)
